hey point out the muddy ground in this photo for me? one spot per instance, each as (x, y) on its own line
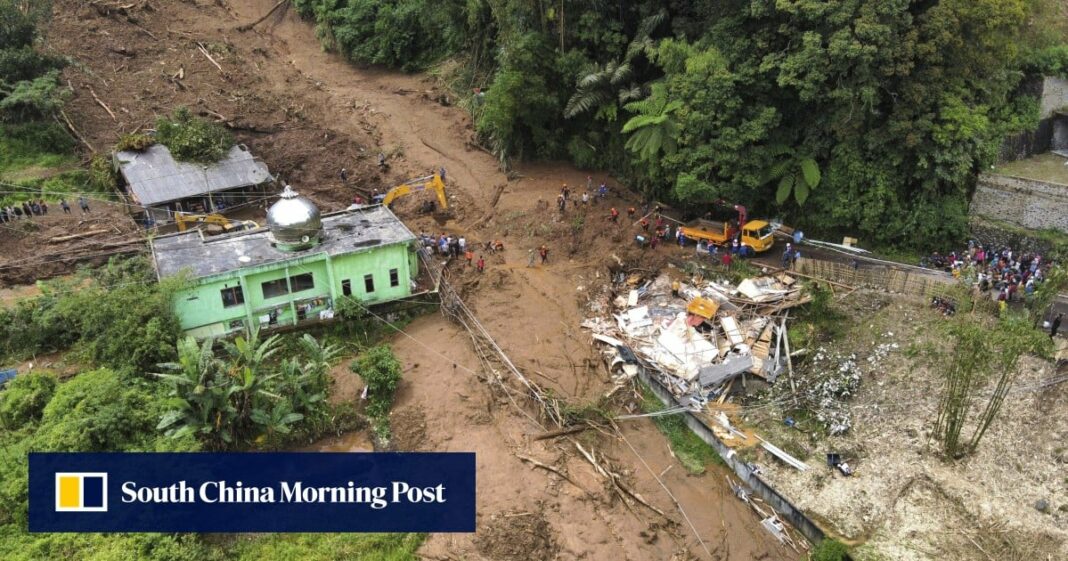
(307, 114)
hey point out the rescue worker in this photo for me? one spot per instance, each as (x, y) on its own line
(615, 215)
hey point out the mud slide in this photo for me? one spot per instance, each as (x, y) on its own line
(308, 113)
(534, 313)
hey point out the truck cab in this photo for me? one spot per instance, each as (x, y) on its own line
(759, 235)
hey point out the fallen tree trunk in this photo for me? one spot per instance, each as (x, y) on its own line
(90, 233)
(560, 432)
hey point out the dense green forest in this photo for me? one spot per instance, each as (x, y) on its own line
(866, 116)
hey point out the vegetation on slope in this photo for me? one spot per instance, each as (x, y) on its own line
(247, 396)
(886, 109)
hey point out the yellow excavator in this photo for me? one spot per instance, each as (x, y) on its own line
(432, 182)
(215, 223)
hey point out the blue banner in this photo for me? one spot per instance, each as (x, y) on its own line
(252, 492)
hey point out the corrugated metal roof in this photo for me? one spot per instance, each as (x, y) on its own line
(344, 232)
(155, 177)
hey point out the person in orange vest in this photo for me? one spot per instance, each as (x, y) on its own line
(615, 215)
(469, 255)
(481, 264)
(544, 253)
(645, 224)
(631, 211)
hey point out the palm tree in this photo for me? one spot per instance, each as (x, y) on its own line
(600, 88)
(653, 128)
(605, 88)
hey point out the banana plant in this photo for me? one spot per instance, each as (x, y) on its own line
(276, 418)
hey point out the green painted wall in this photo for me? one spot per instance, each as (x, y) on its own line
(202, 313)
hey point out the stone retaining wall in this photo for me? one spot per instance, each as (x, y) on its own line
(1032, 204)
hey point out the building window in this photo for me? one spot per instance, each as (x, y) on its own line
(275, 288)
(346, 287)
(369, 283)
(394, 277)
(302, 282)
(232, 297)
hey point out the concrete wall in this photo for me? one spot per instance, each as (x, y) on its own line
(1050, 133)
(1059, 140)
(1054, 96)
(1024, 202)
(787, 511)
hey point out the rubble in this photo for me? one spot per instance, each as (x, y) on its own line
(704, 338)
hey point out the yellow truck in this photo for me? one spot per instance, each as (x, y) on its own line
(757, 235)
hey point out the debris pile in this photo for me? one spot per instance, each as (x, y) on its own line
(828, 379)
(698, 336)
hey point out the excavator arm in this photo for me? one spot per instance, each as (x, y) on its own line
(184, 220)
(432, 182)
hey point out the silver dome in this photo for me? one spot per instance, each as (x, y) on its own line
(294, 220)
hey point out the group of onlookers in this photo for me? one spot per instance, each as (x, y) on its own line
(28, 209)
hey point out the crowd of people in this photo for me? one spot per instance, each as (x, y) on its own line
(456, 247)
(28, 209)
(565, 197)
(1012, 274)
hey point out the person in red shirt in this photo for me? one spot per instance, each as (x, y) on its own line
(645, 224)
(615, 214)
(481, 264)
(727, 260)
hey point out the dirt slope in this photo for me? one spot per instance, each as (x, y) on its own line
(307, 114)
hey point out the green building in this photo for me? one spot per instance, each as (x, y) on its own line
(291, 272)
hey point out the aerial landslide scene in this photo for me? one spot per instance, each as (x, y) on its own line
(464, 280)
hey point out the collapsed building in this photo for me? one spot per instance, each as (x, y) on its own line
(698, 337)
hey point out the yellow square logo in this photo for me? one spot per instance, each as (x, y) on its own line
(81, 492)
